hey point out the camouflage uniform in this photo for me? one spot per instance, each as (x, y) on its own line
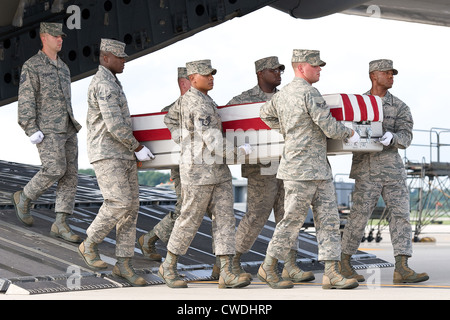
(383, 173)
(164, 228)
(205, 178)
(44, 105)
(300, 113)
(111, 146)
(264, 190)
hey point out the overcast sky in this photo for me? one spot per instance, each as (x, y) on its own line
(347, 44)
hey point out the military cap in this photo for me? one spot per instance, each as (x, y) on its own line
(310, 56)
(382, 65)
(202, 67)
(115, 47)
(54, 29)
(182, 73)
(268, 63)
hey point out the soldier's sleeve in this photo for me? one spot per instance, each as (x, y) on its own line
(172, 120)
(109, 104)
(268, 113)
(321, 115)
(28, 89)
(404, 123)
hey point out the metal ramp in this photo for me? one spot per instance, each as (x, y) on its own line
(33, 262)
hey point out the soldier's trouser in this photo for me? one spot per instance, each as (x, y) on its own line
(59, 156)
(164, 228)
(119, 185)
(197, 200)
(299, 195)
(365, 197)
(264, 192)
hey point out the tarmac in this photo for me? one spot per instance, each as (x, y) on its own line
(431, 257)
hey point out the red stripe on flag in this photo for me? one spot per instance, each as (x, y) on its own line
(362, 107)
(337, 113)
(245, 124)
(348, 108)
(152, 135)
(375, 106)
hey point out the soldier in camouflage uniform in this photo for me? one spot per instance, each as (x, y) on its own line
(45, 114)
(303, 118)
(383, 173)
(264, 190)
(205, 179)
(112, 150)
(164, 228)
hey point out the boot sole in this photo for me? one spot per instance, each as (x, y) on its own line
(272, 286)
(412, 281)
(128, 281)
(57, 235)
(238, 285)
(170, 285)
(349, 286)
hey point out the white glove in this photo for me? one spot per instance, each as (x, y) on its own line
(246, 149)
(354, 138)
(386, 139)
(37, 137)
(144, 154)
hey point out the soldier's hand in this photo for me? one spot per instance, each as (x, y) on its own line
(37, 137)
(144, 154)
(354, 138)
(245, 148)
(386, 139)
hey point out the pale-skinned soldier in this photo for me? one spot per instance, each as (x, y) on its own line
(301, 115)
(264, 191)
(383, 174)
(46, 115)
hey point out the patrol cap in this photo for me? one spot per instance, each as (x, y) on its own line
(202, 67)
(54, 29)
(310, 56)
(382, 65)
(268, 63)
(115, 47)
(182, 73)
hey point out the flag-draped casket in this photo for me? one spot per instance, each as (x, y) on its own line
(242, 124)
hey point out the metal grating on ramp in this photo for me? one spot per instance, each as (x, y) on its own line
(33, 262)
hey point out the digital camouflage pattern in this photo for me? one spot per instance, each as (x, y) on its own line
(387, 165)
(54, 29)
(109, 129)
(299, 195)
(268, 63)
(383, 173)
(310, 56)
(115, 47)
(382, 65)
(111, 146)
(202, 67)
(264, 191)
(217, 200)
(302, 116)
(254, 94)
(205, 178)
(119, 186)
(44, 101)
(202, 144)
(44, 104)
